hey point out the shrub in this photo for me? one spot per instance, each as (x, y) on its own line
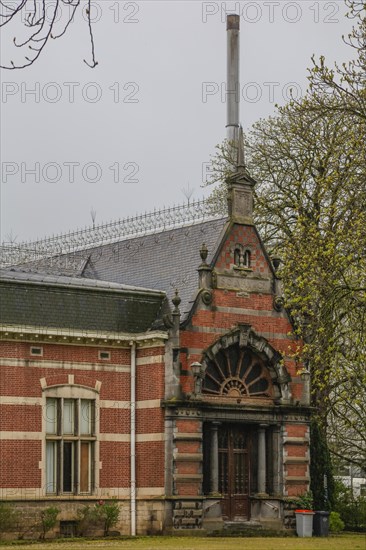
(86, 516)
(8, 517)
(351, 509)
(108, 513)
(48, 520)
(335, 522)
(305, 501)
(103, 513)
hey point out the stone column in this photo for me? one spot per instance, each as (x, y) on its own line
(214, 457)
(276, 460)
(262, 459)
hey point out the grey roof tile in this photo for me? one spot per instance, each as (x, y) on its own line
(164, 261)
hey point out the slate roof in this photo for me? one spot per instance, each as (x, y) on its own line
(63, 280)
(163, 260)
(80, 304)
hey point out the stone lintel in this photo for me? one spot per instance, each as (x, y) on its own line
(187, 478)
(296, 460)
(188, 457)
(297, 479)
(188, 436)
(296, 440)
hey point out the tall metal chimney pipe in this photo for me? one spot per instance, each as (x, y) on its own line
(233, 84)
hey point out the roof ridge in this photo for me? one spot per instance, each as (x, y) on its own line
(188, 214)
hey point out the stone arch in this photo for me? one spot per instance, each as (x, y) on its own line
(268, 376)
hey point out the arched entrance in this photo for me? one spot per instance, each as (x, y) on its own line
(242, 379)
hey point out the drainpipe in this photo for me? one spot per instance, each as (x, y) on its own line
(133, 439)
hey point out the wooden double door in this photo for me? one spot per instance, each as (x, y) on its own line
(234, 471)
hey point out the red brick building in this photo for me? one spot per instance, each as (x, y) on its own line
(155, 369)
(187, 407)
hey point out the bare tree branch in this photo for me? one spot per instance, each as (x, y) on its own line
(33, 15)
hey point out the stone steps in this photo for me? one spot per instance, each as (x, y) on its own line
(235, 526)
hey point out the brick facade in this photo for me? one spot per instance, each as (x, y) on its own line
(174, 418)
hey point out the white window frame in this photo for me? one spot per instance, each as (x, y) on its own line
(61, 395)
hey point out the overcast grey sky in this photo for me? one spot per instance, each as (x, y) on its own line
(145, 121)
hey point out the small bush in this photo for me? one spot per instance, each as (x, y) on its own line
(103, 513)
(86, 516)
(335, 523)
(9, 517)
(305, 501)
(108, 513)
(351, 510)
(48, 520)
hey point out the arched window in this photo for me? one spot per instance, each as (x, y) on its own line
(242, 257)
(237, 254)
(70, 440)
(247, 258)
(237, 372)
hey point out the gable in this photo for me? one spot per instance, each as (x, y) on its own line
(244, 236)
(241, 263)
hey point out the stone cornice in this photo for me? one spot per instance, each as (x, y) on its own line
(245, 412)
(80, 337)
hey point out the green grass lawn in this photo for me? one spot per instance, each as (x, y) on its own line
(340, 542)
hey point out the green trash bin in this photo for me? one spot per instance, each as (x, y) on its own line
(321, 523)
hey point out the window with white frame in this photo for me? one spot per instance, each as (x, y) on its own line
(70, 445)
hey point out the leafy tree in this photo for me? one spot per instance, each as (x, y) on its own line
(310, 161)
(345, 83)
(321, 471)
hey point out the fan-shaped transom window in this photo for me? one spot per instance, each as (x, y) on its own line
(237, 372)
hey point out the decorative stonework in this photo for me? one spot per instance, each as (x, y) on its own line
(80, 337)
(278, 303)
(243, 283)
(189, 413)
(242, 203)
(187, 514)
(206, 297)
(257, 370)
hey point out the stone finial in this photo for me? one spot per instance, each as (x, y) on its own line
(204, 253)
(204, 270)
(175, 339)
(276, 262)
(176, 300)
